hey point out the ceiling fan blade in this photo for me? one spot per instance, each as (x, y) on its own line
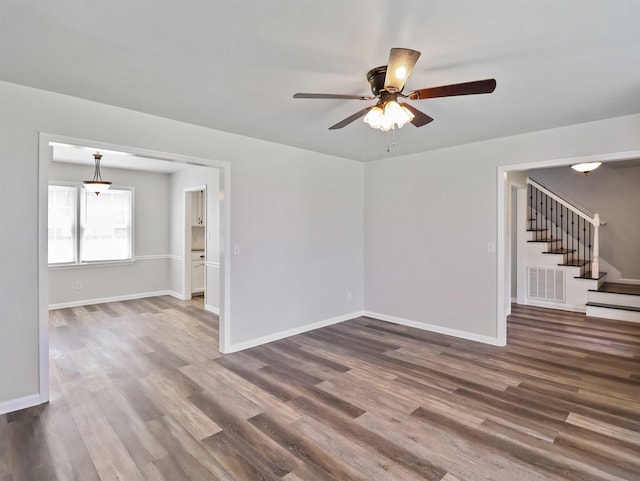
(420, 118)
(467, 88)
(331, 96)
(401, 63)
(348, 120)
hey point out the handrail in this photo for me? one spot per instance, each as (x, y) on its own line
(548, 208)
(584, 213)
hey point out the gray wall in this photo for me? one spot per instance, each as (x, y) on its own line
(297, 216)
(428, 218)
(613, 191)
(151, 225)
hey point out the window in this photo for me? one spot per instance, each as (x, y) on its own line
(85, 228)
(62, 224)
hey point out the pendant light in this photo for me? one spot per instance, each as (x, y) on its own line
(97, 185)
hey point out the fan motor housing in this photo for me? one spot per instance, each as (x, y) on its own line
(376, 77)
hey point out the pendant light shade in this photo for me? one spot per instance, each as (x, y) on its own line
(97, 185)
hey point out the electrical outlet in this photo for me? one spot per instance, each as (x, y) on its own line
(491, 247)
(349, 297)
(78, 285)
(208, 235)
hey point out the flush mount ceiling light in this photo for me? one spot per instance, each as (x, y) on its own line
(97, 185)
(586, 167)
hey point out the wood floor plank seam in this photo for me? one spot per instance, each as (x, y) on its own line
(139, 391)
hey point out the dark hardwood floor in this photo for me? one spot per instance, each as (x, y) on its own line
(139, 391)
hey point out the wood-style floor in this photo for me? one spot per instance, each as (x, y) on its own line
(139, 391)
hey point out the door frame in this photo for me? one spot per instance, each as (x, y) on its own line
(45, 155)
(186, 284)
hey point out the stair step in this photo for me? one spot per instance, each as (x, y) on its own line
(575, 263)
(537, 230)
(545, 240)
(613, 306)
(560, 251)
(587, 275)
(619, 288)
(614, 298)
(613, 311)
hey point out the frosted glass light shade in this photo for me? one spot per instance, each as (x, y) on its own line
(385, 119)
(586, 167)
(96, 187)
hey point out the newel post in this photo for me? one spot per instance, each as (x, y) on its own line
(595, 263)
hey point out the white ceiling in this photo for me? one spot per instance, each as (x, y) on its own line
(234, 65)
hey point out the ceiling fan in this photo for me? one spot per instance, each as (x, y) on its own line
(387, 83)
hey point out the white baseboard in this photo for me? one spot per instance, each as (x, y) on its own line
(102, 300)
(554, 305)
(177, 295)
(291, 332)
(214, 310)
(21, 403)
(514, 300)
(628, 281)
(433, 328)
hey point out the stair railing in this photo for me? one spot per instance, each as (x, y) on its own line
(560, 221)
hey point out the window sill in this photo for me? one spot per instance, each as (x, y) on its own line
(84, 265)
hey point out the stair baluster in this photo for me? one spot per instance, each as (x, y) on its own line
(571, 229)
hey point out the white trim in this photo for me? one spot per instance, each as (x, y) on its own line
(45, 156)
(561, 306)
(628, 281)
(471, 336)
(214, 310)
(177, 295)
(292, 332)
(514, 300)
(212, 264)
(175, 257)
(103, 300)
(21, 403)
(152, 257)
(502, 186)
(85, 265)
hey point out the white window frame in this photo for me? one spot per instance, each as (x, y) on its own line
(78, 230)
(75, 222)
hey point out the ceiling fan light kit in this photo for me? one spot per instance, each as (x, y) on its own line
(387, 116)
(387, 83)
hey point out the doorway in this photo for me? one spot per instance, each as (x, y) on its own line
(202, 243)
(505, 233)
(222, 170)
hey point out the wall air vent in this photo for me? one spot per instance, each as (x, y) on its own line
(545, 284)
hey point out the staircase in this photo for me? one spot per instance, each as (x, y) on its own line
(615, 301)
(562, 260)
